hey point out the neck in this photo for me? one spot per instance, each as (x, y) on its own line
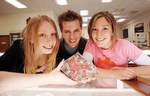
(40, 59)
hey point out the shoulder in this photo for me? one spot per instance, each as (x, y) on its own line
(61, 47)
(90, 46)
(61, 43)
(90, 43)
(83, 40)
(17, 43)
(123, 43)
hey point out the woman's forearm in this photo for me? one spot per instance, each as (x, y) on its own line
(142, 71)
(121, 73)
(104, 73)
(14, 81)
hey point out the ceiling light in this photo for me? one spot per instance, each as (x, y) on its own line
(84, 24)
(116, 17)
(16, 3)
(86, 19)
(84, 12)
(61, 2)
(106, 1)
(121, 20)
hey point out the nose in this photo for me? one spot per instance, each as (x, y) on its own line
(99, 34)
(72, 35)
(49, 41)
(47, 38)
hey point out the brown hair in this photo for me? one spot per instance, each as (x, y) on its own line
(31, 33)
(109, 17)
(69, 16)
(27, 20)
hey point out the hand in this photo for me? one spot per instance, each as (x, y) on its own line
(123, 73)
(41, 69)
(87, 80)
(142, 71)
(60, 78)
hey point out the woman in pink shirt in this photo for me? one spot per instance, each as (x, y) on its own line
(109, 53)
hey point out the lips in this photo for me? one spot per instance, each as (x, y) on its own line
(100, 40)
(48, 47)
(72, 41)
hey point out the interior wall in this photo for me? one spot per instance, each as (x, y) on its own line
(144, 18)
(16, 22)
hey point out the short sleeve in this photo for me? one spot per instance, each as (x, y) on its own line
(143, 59)
(131, 51)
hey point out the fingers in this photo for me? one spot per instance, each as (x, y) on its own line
(41, 69)
(128, 74)
(60, 65)
(67, 81)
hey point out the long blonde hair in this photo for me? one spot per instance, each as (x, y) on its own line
(30, 33)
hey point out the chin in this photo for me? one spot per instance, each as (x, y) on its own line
(72, 46)
(47, 52)
(101, 45)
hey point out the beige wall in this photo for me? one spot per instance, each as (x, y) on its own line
(16, 22)
(144, 18)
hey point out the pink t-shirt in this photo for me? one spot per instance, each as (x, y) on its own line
(119, 55)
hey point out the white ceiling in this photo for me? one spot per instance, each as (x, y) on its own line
(125, 8)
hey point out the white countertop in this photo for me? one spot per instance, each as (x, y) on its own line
(52, 90)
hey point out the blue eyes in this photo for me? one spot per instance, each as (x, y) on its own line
(53, 34)
(44, 35)
(105, 28)
(76, 31)
(96, 30)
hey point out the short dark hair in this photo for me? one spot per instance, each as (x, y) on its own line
(69, 16)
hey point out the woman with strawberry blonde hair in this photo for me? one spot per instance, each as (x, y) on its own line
(33, 55)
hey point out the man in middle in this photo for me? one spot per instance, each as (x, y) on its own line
(70, 24)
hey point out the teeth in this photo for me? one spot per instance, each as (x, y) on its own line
(72, 41)
(100, 39)
(48, 47)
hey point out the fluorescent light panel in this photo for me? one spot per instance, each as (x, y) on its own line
(86, 19)
(121, 20)
(84, 24)
(16, 3)
(106, 1)
(117, 16)
(84, 12)
(61, 2)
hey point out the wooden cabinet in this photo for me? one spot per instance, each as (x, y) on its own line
(14, 36)
(4, 42)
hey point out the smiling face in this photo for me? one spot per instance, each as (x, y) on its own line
(102, 33)
(46, 38)
(71, 32)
